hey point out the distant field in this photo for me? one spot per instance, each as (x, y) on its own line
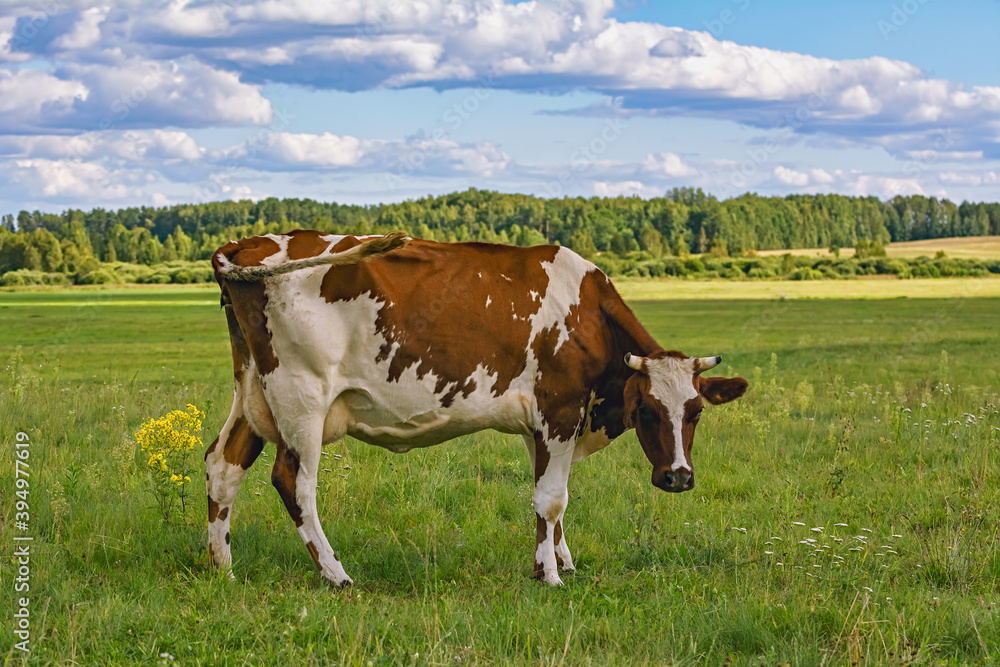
(847, 508)
(966, 247)
(83, 299)
(874, 287)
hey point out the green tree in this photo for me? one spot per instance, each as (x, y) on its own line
(110, 254)
(25, 223)
(49, 250)
(32, 258)
(182, 243)
(651, 240)
(583, 244)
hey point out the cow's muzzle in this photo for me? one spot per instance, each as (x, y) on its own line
(674, 481)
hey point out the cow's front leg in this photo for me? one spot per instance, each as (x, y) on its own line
(563, 557)
(294, 475)
(552, 463)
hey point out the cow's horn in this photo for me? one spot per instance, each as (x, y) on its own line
(704, 363)
(634, 362)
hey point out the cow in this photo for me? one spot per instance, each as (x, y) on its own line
(406, 343)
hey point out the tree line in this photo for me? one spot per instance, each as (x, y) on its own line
(685, 221)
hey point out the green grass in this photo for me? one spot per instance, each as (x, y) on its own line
(858, 418)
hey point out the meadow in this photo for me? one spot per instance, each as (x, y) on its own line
(967, 247)
(847, 509)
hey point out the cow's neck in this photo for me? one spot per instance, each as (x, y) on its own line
(627, 336)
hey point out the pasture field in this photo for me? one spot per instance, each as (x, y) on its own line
(870, 287)
(962, 247)
(847, 509)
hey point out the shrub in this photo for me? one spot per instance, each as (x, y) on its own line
(864, 249)
(866, 267)
(961, 267)
(653, 269)
(846, 267)
(885, 266)
(673, 266)
(828, 272)
(132, 273)
(694, 265)
(180, 276)
(761, 272)
(805, 273)
(29, 277)
(99, 277)
(718, 248)
(13, 279)
(925, 271)
(712, 263)
(202, 274)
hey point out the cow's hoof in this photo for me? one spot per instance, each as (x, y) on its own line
(341, 584)
(225, 571)
(552, 579)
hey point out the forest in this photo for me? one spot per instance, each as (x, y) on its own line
(623, 235)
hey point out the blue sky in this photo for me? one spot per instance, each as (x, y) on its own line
(155, 103)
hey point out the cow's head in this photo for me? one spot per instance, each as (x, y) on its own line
(663, 402)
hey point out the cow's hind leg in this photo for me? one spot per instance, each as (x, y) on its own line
(295, 472)
(226, 464)
(552, 463)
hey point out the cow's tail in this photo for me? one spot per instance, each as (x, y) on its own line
(359, 253)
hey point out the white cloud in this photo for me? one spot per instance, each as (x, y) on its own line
(667, 164)
(303, 151)
(820, 176)
(882, 186)
(187, 93)
(625, 189)
(928, 155)
(183, 18)
(159, 199)
(27, 94)
(65, 179)
(129, 146)
(310, 150)
(791, 177)
(972, 179)
(156, 145)
(127, 92)
(86, 32)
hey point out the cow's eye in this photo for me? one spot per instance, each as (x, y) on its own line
(646, 413)
(694, 416)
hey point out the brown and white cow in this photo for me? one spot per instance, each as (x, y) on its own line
(408, 343)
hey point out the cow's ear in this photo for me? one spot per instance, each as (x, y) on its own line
(633, 397)
(721, 390)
